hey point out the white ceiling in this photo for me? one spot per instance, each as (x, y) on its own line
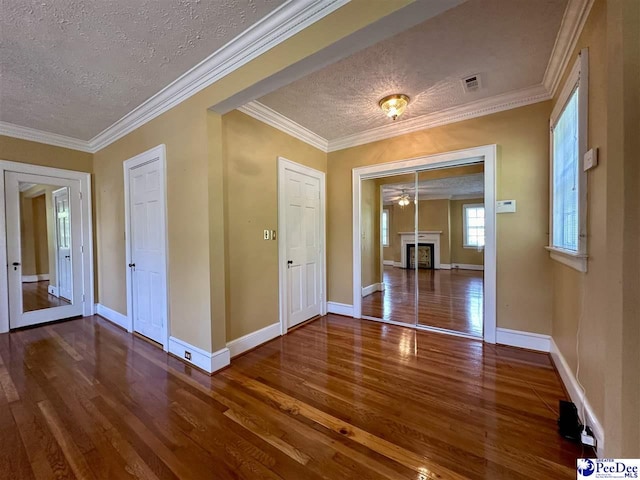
(507, 42)
(466, 186)
(74, 67)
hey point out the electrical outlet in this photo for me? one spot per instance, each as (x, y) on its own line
(187, 355)
(587, 438)
(267, 235)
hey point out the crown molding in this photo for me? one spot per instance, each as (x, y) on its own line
(269, 116)
(26, 133)
(479, 108)
(281, 24)
(573, 20)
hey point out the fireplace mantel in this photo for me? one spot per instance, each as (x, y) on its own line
(424, 236)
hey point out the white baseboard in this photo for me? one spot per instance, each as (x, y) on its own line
(113, 316)
(209, 362)
(518, 338)
(374, 287)
(397, 264)
(53, 290)
(467, 266)
(252, 340)
(35, 278)
(445, 266)
(388, 262)
(340, 309)
(575, 393)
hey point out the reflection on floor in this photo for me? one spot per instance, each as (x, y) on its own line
(335, 399)
(36, 297)
(449, 299)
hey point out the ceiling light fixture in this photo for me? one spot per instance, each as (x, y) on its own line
(394, 105)
(404, 199)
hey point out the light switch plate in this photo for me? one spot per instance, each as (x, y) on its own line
(590, 159)
(505, 206)
(273, 234)
(267, 235)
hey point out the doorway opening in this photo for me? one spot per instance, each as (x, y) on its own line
(435, 213)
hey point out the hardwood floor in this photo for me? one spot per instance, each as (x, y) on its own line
(448, 299)
(36, 297)
(337, 399)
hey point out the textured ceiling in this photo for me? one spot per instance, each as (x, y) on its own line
(468, 186)
(507, 42)
(74, 67)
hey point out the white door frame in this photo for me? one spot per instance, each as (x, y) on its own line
(53, 200)
(86, 218)
(158, 153)
(283, 166)
(486, 154)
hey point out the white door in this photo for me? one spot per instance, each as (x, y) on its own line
(63, 239)
(303, 246)
(146, 204)
(28, 307)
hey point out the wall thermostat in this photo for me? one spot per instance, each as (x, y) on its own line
(505, 206)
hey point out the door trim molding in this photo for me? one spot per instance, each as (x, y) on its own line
(283, 165)
(487, 154)
(87, 231)
(156, 153)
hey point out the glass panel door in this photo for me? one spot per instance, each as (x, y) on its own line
(449, 270)
(43, 245)
(388, 228)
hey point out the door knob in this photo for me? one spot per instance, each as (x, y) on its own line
(15, 265)
(289, 263)
(132, 265)
(67, 256)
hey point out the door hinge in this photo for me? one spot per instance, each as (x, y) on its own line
(83, 298)
(80, 195)
(82, 248)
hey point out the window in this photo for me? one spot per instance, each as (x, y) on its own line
(566, 172)
(473, 225)
(385, 228)
(568, 180)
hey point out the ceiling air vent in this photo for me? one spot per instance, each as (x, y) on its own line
(471, 83)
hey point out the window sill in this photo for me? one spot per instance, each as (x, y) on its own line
(577, 261)
(473, 247)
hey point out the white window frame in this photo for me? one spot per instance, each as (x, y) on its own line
(465, 233)
(579, 76)
(385, 241)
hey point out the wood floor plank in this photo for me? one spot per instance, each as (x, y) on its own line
(337, 398)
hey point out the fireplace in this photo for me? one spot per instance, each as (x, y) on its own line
(425, 256)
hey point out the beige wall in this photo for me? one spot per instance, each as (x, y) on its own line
(370, 224)
(432, 215)
(25, 151)
(41, 243)
(27, 236)
(34, 236)
(523, 264)
(199, 266)
(460, 254)
(570, 296)
(251, 163)
(604, 301)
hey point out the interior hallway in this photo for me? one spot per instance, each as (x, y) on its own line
(448, 299)
(337, 398)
